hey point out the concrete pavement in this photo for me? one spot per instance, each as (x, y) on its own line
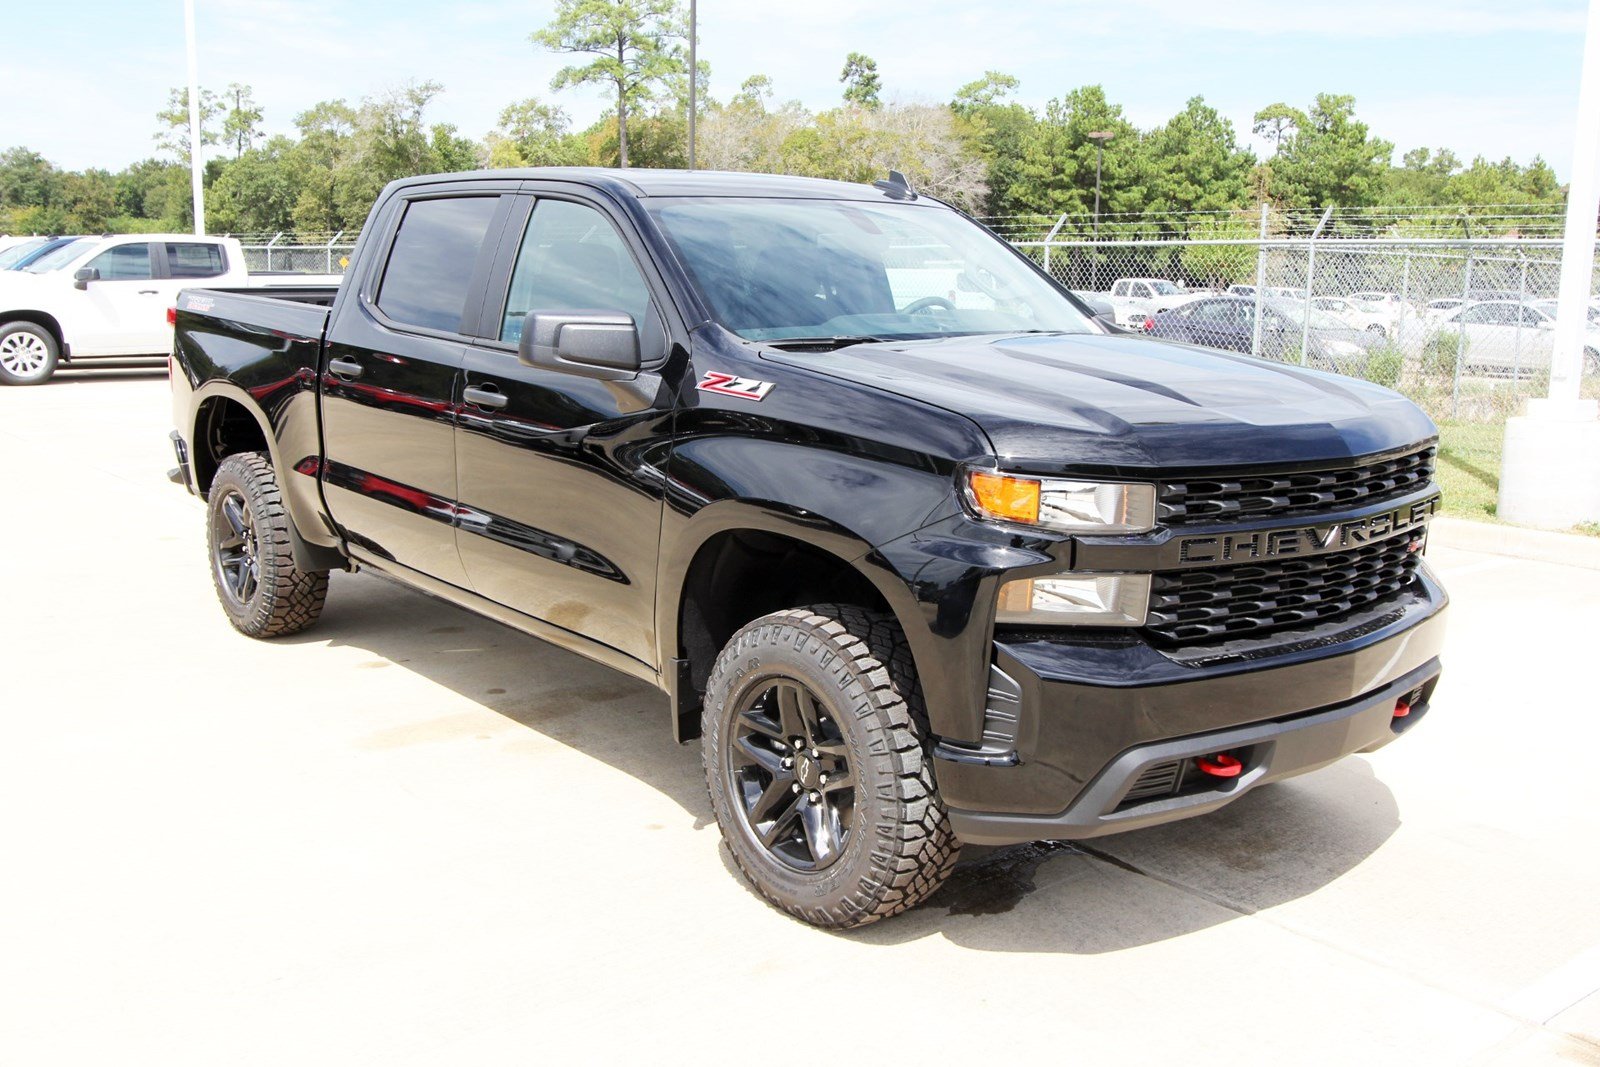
(413, 836)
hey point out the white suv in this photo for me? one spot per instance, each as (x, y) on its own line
(108, 296)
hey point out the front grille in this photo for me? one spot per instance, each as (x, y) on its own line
(1224, 497)
(1250, 599)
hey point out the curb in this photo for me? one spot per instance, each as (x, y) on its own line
(1548, 546)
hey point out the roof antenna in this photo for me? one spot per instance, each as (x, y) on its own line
(896, 186)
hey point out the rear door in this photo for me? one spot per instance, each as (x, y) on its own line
(392, 374)
(560, 474)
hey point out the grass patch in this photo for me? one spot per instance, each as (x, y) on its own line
(1469, 471)
(1469, 468)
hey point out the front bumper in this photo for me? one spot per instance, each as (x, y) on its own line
(1095, 720)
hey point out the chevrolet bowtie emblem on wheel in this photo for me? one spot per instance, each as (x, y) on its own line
(729, 385)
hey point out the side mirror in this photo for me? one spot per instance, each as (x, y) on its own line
(1109, 321)
(593, 344)
(84, 276)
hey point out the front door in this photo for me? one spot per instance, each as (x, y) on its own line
(560, 483)
(121, 312)
(392, 376)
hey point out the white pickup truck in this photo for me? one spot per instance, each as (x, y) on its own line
(1136, 300)
(98, 297)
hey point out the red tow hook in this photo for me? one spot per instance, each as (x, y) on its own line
(1221, 765)
(1401, 709)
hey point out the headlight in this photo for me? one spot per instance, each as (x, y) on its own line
(1061, 504)
(1076, 600)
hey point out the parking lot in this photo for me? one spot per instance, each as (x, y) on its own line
(411, 835)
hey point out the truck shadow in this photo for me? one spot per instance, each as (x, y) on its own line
(1272, 846)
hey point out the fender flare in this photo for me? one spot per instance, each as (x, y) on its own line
(307, 556)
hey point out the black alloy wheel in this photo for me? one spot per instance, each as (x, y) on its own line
(791, 771)
(236, 551)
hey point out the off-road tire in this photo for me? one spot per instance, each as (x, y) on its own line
(31, 351)
(856, 664)
(283, 599)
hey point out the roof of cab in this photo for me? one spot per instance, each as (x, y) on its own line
(644, 182)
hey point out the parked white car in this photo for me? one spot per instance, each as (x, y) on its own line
(1505, 337)
(108, 297)
(1136, 300)
(1374, 322)
(1435, 310)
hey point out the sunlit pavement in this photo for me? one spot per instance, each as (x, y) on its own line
(412, 836)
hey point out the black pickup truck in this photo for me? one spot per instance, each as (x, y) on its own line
(920, 550)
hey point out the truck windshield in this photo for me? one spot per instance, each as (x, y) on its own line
(773, 269)
(57, 257)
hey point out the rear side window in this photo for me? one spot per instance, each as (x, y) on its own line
(190, 260)
(122, 263)
(430, 266)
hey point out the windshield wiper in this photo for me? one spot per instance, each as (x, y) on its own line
(826, 344)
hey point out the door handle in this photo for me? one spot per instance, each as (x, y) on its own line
(149, 292)
(487, 397)
(346, 368)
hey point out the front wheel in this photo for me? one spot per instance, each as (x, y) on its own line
(816, 755)
(262, 591)
(28, 354)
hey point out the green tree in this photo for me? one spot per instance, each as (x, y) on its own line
(995, 128)
(1332, 159)
(860, 78)
(1196, 163)
(986, 92)
(1277, 123)
(173, 136)
(635, 44)
(89, 199)
(533, 134)
(241, 126)
(1056, 171)
(27, 179)
(1421, 178)
(257, 192)
(321, 160)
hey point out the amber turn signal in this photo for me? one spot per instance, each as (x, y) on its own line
(1000, 496)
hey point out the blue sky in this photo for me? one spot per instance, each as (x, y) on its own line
(1492, 78)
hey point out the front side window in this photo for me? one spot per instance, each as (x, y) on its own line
(572, 259)
(123, 263)
(190, 260)
(777, 269)
(430, 266)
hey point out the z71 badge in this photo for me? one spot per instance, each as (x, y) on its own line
(730, 385)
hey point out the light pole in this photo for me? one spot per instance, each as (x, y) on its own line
(196, 164)
(693, 77)
(1099, 137)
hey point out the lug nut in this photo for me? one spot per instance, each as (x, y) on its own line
(788, 762)
(823, 778)
(815, 754)
(795, 788)
(814, 797)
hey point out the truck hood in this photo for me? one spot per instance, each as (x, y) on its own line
(1054, 402)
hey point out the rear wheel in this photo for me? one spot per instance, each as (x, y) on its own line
(815, 748)
(262, 592)
(28, 354)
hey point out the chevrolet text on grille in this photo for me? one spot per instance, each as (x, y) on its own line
(1303, 540)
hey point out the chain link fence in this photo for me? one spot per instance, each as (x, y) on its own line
(1463, 326)
(302, 253)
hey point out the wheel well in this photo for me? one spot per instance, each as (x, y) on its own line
(38, 318)
(740, 575)
(222, 428)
